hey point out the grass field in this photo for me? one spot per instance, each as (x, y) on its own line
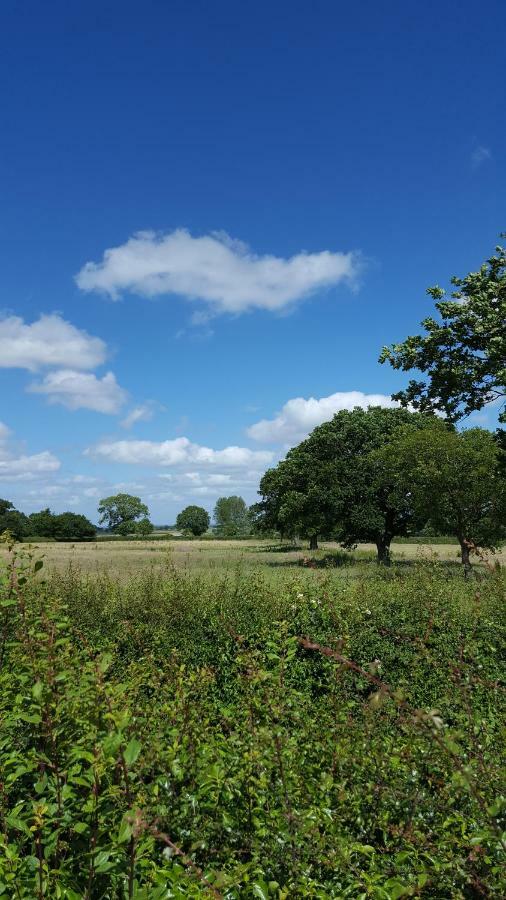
(215, 719)
(126, 558)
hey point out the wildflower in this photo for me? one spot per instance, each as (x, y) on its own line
(368, 612)
(300, 596)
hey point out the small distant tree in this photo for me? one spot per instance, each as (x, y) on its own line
(144, 527)
(462, 352)
(194, 519)
(455, 482)
(13, 521)
(69, 526)
(232, 517)
(121, 509)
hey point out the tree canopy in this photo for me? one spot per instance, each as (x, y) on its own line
(42, 523)
(232, 517)
(332, 485)
(194, 519)
(144, 527)
(12, 520)
(454, 480)
(69, 526)
(120, 509)
(463, 355)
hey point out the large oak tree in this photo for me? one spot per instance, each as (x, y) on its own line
(332, 484)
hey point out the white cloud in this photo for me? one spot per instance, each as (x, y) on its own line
(47, 490)
(216, 269)
(142, 413)
(299, 416)
(79, 390)
(50, 341)
(177, 452)
(480, 155)
(83, 479)
(92, 492)
(21, 467)
(15, 466)
(218, 480)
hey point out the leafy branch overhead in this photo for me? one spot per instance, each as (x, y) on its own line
(462, 355)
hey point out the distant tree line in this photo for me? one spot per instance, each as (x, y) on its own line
(67, 526)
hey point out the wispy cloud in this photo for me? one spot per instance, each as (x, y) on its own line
(144, 412)
(214, 268)
(480, 155)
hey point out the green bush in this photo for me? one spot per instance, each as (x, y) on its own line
(178, 736)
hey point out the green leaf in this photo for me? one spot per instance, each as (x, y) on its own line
(125, 832)
(132, 750)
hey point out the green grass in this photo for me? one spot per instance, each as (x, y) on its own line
(169, 733)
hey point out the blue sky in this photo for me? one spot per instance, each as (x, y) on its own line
(276, 184)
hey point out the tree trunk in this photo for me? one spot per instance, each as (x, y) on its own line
(465, 556)
(383, 546)
(313, 542)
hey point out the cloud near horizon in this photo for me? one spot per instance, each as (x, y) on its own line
(21, 467)
(180, 451)
(215, 269)
(299, 416)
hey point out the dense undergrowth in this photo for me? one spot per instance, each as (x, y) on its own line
(237, 736)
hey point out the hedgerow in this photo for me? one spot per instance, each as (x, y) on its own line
(237, 737)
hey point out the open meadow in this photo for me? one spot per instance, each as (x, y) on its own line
(219, 718)
(123, 559)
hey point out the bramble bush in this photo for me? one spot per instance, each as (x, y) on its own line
(187, 736)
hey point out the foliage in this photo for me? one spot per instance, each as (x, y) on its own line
(121, 508)
(42, 523)
(231, 517)
(144, 527)
(211, 751)
(69, 526)
(331, 484)
(464, 354)
(455, 481)
(194, 519)
(12, 520)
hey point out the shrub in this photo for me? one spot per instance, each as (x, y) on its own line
(180, 736)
